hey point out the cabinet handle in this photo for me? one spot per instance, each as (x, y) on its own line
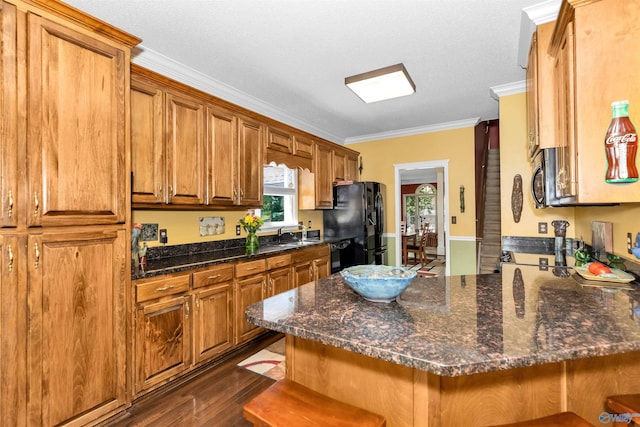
(270, 286)
(251, 268)
(170, 192)
(186, 310)
(36, 251)
(10, 208)
(36, 210)
(215, 276)
(198, 305)
(10, 251)
(165, 288)
(241, 192)
(159, 193)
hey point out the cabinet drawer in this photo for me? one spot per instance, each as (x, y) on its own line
(311, 253)
(251, 267)
(153, 289)
(220, 274)
(278, 261)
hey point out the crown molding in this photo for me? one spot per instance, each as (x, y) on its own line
(168, 67)
(508, 89)
(413, 131)
(533, 16)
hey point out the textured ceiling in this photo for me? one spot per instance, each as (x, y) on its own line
(288, 58)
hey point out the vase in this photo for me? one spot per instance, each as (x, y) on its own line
(252, 243)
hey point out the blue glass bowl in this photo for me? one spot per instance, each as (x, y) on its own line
(378, 283)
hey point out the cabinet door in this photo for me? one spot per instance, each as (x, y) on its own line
(185, 149)
(77, 284)
(11, 104)
(323, 166)
(303, 273)
(280, 281)
(322, 268)
(303, 146)
(222, 157)
(251, 161)
(339, 165)
(532, 98)
(565, 129)
(248, 291)
(351, 168)
(13, 324)
(213, 321)
(147, 143)
(77, 135)
(279, 140)
(162, 347)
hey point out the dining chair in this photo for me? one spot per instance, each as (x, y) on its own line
(417, 248)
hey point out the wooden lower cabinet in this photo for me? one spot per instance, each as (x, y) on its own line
(311, 264)
(249, 291)
(185, 319)
(162, 330)
(76, 329)
(163, 347)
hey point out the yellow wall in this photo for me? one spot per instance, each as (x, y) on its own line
(513, 160)
(182, 226)
(456, 145)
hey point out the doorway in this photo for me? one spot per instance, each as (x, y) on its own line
(424, 173)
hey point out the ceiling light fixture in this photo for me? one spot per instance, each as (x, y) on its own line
(386, 83)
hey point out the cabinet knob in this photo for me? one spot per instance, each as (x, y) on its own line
(164, 288)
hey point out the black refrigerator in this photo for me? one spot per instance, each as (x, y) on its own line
(358, 215)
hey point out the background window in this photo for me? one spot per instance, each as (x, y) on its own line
(280, 201)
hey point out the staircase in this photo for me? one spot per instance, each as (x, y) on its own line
(492, 240)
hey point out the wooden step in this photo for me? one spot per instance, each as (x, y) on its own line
(287, 403)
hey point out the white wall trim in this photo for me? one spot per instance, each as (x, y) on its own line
(414, 131)
(168, 67)
(508, 89)
(444, 164)
(533, 16)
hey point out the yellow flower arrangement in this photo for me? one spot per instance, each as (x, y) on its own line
(251, 223)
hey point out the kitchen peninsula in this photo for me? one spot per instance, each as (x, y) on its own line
(465, 350)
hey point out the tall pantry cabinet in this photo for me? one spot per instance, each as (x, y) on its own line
(65, 219)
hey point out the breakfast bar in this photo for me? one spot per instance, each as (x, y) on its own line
(464, 350)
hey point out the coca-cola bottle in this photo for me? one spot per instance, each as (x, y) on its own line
(621, 145)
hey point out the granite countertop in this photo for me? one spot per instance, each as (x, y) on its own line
(463, 325)
(189, 257)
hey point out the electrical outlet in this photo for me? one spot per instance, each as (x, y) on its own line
(237, 229)
(543, 228)
(309, 225)
(454, 219)
(629, 244)
(163, 235)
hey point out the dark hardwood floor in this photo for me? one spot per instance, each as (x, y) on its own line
(215, 397)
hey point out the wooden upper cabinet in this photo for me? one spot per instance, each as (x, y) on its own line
(11, 137)
(279, 140)
(324, 175)
(351, 167)
(222, 156)
(598, 65)
(147, 142)
(339, 164)
(303, 146)
(185, 149)
(250, 161)
(541, 108)
(77, 140)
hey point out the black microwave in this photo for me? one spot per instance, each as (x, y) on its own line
(543, 181)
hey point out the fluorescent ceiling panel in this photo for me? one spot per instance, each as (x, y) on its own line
(386, 83)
